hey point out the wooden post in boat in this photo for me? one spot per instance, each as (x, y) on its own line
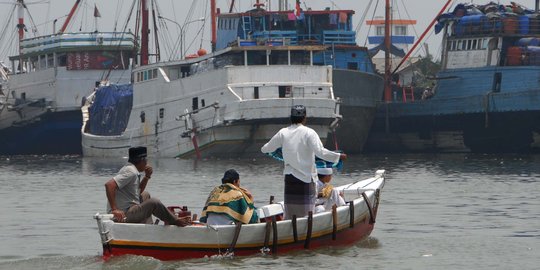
(267, 234)
(371, 216)
(351, 214)
(334, 222)
(235, 237)
(294, 230)
(309, 228)
(274, 236)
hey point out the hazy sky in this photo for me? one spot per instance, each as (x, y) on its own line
(115, 12)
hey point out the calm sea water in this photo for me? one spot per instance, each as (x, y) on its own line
(437, 212)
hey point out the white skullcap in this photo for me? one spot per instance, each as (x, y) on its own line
(324, 171)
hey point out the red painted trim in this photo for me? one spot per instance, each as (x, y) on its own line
(344, 237)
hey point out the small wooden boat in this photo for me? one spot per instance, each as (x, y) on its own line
(342, 226)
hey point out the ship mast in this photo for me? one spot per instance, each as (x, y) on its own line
(213, 16)
(387, 66)
(144, 33)
(20, 25)
(70, 15)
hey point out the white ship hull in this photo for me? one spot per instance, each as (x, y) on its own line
(49, 81)
(231, 120)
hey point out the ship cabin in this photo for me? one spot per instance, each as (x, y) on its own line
(250, 55)
(75, 51)
(331, 28)
(479, 41)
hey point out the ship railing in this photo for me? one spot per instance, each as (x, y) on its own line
(285, 37)
(339, 37)
(479, 25)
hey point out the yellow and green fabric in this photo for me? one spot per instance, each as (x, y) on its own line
(230, 200)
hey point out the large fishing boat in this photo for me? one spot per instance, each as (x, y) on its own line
(485, 98)
(342, 226)
(227, 102)
(50, 76)
(354, 79)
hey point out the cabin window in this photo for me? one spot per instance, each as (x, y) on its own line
(497, 78)
(145, 75)
(469, 45)
(195, 103)
(474, 44)
(298, 92)
(401, 30)
(161, 112)
(484, 44)
(203, 104)
(143, 117)
(256, 92)
(380, 31)
(50, 60)
(62, 60)
(284, 91)
(185, 71)
(458, 48)
(155, 73)
(464, 45)
(352, 66)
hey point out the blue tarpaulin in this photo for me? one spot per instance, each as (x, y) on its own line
(109, 113)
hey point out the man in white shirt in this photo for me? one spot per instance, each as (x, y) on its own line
(300, 145)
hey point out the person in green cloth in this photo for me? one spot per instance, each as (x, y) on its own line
(229, 203)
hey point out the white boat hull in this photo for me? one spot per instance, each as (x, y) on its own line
(168, 242)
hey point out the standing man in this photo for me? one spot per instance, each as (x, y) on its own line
(127, 199)
(300, 145)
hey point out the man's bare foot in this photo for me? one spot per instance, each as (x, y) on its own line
(183, 221)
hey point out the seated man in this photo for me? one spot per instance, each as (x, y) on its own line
(229, 203)
(327, 195)
(127, 199)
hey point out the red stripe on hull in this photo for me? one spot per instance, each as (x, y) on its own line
(344, 237)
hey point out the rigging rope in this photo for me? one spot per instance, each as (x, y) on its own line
(7, 25)
(106, 77)
(363, 18)
(204, 23)
(372, 17)
(47, 17)
(34, 27)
